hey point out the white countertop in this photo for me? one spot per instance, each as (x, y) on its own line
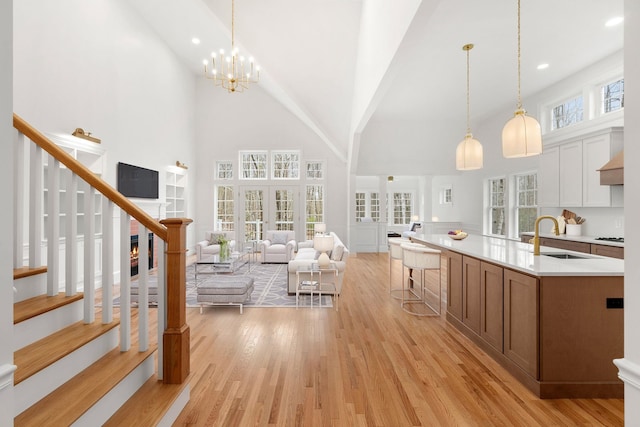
(519, 256)
(585, 239)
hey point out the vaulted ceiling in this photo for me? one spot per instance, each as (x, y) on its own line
(311, 57)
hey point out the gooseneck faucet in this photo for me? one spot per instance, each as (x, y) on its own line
(536, 236)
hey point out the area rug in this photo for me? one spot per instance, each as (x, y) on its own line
(269, 283)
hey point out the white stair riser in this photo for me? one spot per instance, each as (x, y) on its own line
(44, 382)
(112, 401)
(36, 328)
(29, 287)
(178, 405)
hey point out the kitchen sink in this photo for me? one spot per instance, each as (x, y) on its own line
(564, 255)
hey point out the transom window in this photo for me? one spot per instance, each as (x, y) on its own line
(225, 170)
(568, 113)
(613, 96)
(497, 206)
(253, 165)
(286, 165)
(315, 170)
(526, 208)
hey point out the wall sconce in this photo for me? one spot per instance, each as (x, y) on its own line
(181, 165)
(80, 133)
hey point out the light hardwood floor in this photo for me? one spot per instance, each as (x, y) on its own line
(368, 364)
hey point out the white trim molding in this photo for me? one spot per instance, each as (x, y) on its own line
(6, 375)
(628, 372)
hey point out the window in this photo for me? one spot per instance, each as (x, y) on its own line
(361, 206)
(253, 165)
(286, 165)
(225, 170)
(315, 170)
(375, 207)
(284, 209)
(526, 206)
(402, 208)
(224, 208)
(314, 201)
(497, 206)
(568, 113)
(613, 96)
(446, 195)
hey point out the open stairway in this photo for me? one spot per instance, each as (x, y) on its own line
(78, 359)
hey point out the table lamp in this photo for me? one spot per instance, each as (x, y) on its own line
(323, 244)
(320, 228)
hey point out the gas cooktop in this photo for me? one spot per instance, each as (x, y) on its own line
(611, 239)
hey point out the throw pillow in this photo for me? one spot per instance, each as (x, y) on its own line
(215, 238)
(337, 252)
(279, 239)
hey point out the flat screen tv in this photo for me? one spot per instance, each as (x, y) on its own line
(134, 181)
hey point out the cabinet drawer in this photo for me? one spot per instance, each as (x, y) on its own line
(606, 250)
(566, 244)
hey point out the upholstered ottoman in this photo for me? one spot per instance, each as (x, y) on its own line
(152, 290)
(225, 290)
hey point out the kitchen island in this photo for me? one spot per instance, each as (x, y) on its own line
(555, 321)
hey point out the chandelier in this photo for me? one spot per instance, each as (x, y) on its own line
(233, 72)
(469, 151)
(521, 136)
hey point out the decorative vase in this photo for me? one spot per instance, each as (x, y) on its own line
(224, 250)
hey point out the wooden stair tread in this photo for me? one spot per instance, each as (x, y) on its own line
(40, 354)
(22, 272)
(68, 402)
(148, 405)
(36, 306)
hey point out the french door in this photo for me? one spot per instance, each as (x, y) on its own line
(268, 208)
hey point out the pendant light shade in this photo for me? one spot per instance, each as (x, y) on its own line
(469, 151)
(521, 136)
(469, 154)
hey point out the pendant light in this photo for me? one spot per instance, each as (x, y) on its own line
(521, 136)
(469, 151)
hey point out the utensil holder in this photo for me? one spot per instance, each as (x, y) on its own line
(574, 229)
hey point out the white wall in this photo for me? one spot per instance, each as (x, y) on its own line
(98, 66)
(252, 120)
(632, 206)
(6, 215)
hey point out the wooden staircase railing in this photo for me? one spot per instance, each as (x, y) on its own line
(174, 335)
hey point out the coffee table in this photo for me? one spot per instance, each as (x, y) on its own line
(229, 264)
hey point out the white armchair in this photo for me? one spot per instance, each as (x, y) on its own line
(209, 246)
(278, 247)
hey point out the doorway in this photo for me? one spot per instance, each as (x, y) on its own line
(268, 208)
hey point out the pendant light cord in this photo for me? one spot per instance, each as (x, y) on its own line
(233, 25)
(519, 96)
(468, 96)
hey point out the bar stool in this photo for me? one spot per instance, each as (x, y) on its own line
(420, 258)
(395, 254)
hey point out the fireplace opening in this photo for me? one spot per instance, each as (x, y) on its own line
(134, 254)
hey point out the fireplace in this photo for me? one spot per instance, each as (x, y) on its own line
(134, 255)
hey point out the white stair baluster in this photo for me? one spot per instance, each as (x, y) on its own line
(125, 281)
(18, 199)
(35, 206)
(107, 260)
(71, 235)
(53, 227)
(143, 288)
(89, 254)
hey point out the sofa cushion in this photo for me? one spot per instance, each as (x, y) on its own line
(337, 252)
(216, 237)
(279, 238)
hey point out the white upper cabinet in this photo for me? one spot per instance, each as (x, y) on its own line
(568, 170)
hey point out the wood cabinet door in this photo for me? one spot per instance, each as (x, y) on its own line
(521, 313)
(454, 284)
(491, 304)
(471, 293)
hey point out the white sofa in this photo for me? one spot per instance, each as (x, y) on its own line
(278, 246)
(306, 255)
(209, 245)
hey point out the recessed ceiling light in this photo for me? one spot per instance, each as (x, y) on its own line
(543, 66)
(195, 40)
(614, 21)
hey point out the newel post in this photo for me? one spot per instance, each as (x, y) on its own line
(176, 339)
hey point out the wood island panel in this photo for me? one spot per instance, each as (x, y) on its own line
(471, 293)
(454, 284)
(491, 300)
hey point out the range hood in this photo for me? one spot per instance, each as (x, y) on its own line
(612, 173)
